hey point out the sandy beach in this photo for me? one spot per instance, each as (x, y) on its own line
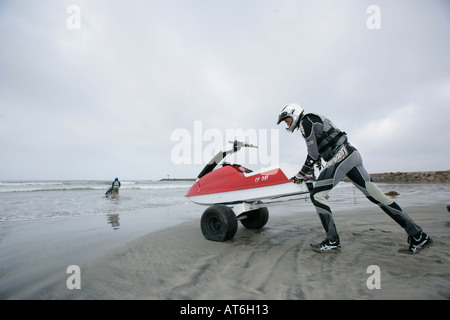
(274, 263)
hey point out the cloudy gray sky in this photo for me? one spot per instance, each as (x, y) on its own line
(109, 98)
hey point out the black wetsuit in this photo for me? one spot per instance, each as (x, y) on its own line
(325, 141)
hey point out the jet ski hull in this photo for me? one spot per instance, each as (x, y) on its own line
(234, 184)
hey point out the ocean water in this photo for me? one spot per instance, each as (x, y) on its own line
(35, 200)
(31, 200)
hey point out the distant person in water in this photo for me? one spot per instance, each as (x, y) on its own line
(115, 185)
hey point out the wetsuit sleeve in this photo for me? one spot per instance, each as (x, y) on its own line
(309, 126)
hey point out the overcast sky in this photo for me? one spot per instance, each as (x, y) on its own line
(108, 95)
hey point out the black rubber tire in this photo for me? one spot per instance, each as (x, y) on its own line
(256, 219)
(219, 223)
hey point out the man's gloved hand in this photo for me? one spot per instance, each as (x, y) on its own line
(299, 178)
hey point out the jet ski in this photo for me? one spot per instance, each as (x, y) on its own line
(235, 193)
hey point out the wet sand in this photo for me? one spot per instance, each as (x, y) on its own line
(274, 263)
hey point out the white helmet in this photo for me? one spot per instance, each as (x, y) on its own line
(293, 110)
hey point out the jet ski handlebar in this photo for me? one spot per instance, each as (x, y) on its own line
(237, 145)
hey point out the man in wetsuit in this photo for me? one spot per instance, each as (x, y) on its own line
(325, 141)
(116, 185)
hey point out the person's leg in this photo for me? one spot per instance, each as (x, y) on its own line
(361, 179)
(319, 200)
(115, 192)
(329, 177)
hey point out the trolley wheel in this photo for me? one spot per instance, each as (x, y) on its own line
(256, 219)
(219, 223)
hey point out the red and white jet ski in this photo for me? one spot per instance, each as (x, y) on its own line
(235, 193)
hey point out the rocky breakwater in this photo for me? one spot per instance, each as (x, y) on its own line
(416, 177)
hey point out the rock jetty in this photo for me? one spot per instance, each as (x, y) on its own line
(416, 177)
